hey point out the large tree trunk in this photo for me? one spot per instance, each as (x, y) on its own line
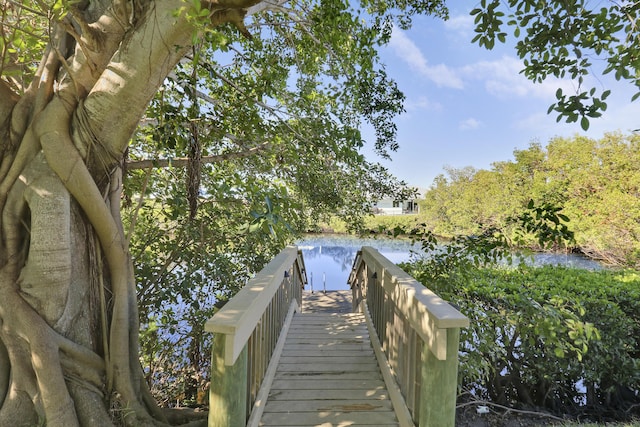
(68, 313)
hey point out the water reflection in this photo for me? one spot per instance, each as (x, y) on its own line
(329, 257)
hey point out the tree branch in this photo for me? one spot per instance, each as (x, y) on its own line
(139, 66)
(182, 161)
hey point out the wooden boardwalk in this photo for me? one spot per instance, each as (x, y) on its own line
(328, 375)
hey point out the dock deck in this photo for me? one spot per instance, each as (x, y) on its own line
(285, 357)
(328, 374)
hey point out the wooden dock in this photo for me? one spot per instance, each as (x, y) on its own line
(328, 375)
(285, 357)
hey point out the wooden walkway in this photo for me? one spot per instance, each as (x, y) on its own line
(328, 375)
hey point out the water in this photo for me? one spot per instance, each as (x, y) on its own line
(329, 257)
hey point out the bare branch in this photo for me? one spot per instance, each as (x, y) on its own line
(268, 5)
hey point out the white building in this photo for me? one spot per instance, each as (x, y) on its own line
(395, 207)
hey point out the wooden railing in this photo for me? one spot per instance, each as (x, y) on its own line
(418, 333)
(246, 331)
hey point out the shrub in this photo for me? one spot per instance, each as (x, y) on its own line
(558, 338)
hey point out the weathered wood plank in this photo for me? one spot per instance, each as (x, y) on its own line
(325, 328)
(327, 359)
(334, 352)
(324, 321)
(341, 392)
(329, 419)
(327, 383)
(315, 330)
(313, 376)
(328, 376)
(327, 345)
(328, 367)
(321, 346)
(320, 405)
(329, 336)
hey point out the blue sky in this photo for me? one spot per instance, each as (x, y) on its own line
(467, 106)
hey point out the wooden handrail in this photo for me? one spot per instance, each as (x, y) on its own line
(239, 317)
(418, 332)
(246, 331)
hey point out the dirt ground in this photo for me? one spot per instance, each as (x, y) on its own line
(470, 418)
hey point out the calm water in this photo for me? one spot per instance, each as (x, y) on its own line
(329, 257)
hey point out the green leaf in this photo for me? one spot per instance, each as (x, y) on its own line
(584, 123)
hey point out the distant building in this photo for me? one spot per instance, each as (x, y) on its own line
(395, 207)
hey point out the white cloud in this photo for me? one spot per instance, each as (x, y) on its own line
(502, 79)
(621, 115)
(407, 50)
(470, 124)
(460, 23)
(422, 103)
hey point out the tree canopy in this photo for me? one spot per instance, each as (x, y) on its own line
(571, 39)
(195, 135)
(595, 182)
(224, 127)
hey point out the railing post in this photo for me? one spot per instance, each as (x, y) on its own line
(228, 391)
(439, 384)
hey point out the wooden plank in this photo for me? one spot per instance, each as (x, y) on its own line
(327, 334)
(328, 376)
(316, 330)
(333, 405)
(320, 325)
(328, 367)
(329, 419)
(342, 317)
(327, 359)
(329, 338)
(320, 347)
(439, 384)
(353, 344)
(228, 391)
(342, 393)
(315, 376)
(263, 393)
(400, 406)
(324, 383)
(330, 353)
(324, 325)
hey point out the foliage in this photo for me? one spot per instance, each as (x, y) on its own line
(567, 39)
(553, 338)
(278, 153)
(550, 337)
(185, 269)
(596, 183)
(390, 224)
(492, 245)
(218, 130)
(251, 132)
